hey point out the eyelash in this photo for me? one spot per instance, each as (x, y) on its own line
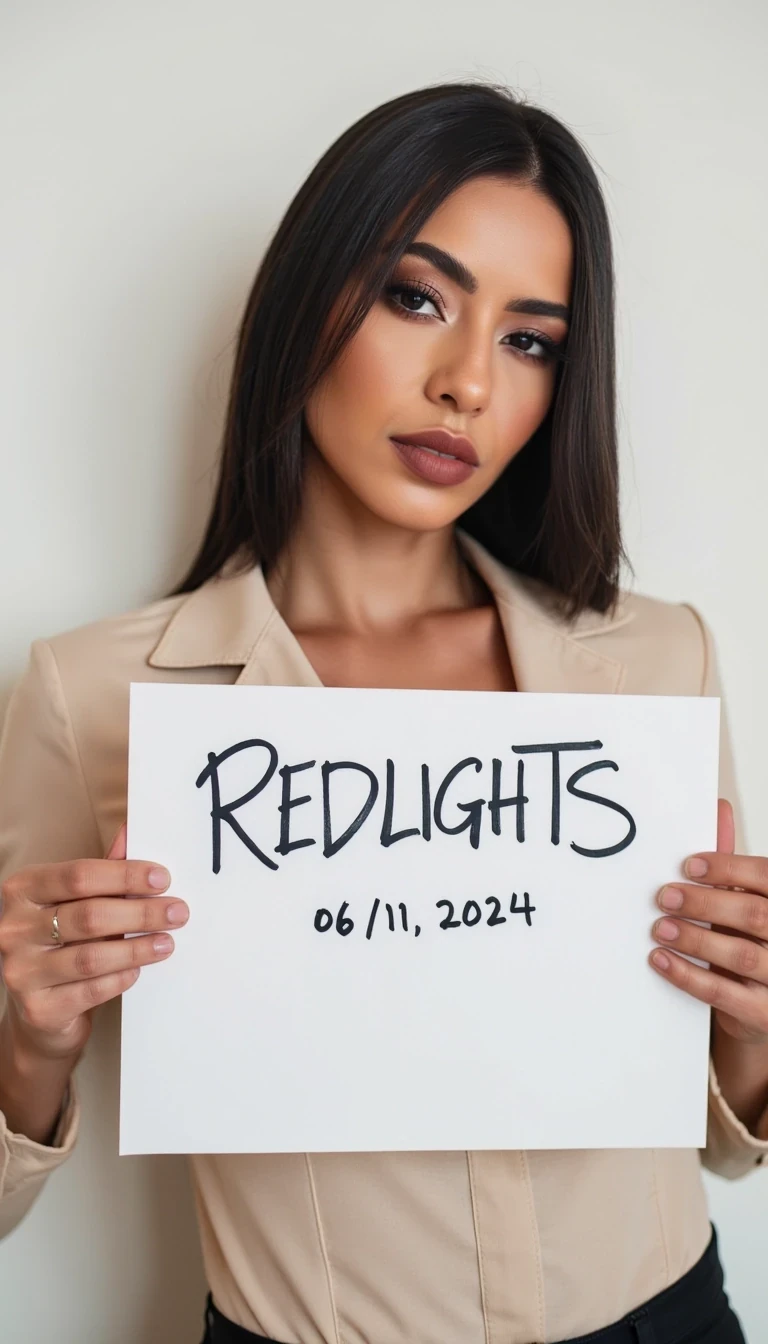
(554, 351)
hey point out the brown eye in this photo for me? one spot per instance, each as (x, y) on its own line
(402, 295)
(548, 350)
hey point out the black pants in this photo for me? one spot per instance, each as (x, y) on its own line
(695, 1310)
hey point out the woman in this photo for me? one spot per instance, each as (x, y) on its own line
(418, 488)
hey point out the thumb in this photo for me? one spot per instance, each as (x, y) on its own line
(117, 848)
(726, 828)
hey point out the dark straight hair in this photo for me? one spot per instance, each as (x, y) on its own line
(553, 514)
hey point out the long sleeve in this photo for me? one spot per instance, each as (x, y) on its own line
(731, 1150)
(45, 817)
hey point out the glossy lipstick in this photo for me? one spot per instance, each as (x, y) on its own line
(437, 456)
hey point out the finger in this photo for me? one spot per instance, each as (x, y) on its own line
(52, 883)
(117, 849)
(723, 950)
(747, 871)
(726, 827)
(109, 917)
(748, 1004)
(743, 912)
(87, 961)
(57, 1008)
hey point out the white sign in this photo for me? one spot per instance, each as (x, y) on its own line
(418, 919)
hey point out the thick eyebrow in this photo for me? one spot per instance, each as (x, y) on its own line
(463, 277)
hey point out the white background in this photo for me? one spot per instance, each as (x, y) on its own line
(149, 150)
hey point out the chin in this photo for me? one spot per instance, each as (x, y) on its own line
(399, 508)
(392, 498)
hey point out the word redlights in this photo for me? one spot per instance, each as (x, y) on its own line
(451, 792)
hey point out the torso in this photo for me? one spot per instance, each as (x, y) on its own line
(534, 1244)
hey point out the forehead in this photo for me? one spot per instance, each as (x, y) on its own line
(507, 233)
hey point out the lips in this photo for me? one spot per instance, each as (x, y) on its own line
(437, 456)
(440, 441)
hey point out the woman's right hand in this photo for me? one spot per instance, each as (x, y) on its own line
(52, 989)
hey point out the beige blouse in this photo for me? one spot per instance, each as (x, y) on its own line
(375, 1248)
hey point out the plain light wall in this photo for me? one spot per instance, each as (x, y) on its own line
(149, 151)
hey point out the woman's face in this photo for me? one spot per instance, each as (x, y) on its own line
(443, 351)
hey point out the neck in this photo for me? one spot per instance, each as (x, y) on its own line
(346, 569)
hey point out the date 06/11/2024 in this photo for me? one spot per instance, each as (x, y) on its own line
(454, 918)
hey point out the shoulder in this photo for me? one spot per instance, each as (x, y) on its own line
(639, 629)
(669, 643)
(116, 646)
(640, 617)
(79, 681)
(64, 748)
(200, 635)
(666, 645)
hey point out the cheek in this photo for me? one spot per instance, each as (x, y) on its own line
(377, 368)
(523, 406)
(364, 388)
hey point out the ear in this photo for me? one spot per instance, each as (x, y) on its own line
(117, 848)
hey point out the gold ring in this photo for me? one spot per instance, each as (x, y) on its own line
(55, 935)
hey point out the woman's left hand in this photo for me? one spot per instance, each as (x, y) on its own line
(735, 902)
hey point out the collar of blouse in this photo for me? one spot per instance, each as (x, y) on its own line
(232, 620)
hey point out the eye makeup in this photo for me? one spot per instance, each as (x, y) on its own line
(551, 351)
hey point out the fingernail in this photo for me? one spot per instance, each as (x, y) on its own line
(162, 943)
(671, 898)
(666, 929)
(661, 960)
(158, 877)
(696, 867)
(177, 913)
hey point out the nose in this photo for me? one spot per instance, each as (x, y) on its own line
(462, 374)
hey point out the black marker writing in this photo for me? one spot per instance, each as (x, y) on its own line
(474, 809)
(287, 803)
(606, 802)
(556, 748)
(223, 812)
(433, 813)
(331, 846)
(388, 837)
(496, 802)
